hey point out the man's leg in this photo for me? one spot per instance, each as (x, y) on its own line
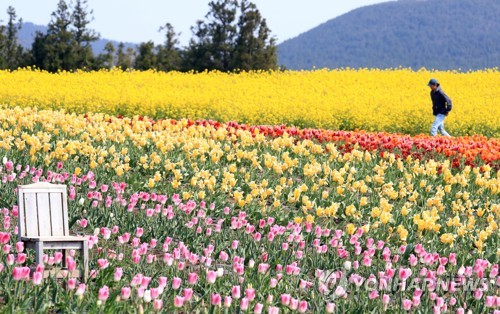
(443, 131)
(435, 125)
(438, 125)
(441, 124)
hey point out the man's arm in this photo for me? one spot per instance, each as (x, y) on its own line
(447, 101)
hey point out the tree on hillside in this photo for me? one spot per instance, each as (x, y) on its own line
(213, 44)
(125, 59)
(234, 36)
(57, 47)
(11, 52)
(223, 31)
(146, 57)
(169, 57)
(109, 56)
(106, 59)
(38, 51)
(197, 56)
(255, 48)
(83, 35)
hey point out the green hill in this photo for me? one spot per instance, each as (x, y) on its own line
(435, 34)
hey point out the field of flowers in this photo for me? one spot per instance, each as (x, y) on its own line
(366, 99)
(198, 216)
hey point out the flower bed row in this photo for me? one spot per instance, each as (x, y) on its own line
(344, 99)
(165, 253)
(194, 216)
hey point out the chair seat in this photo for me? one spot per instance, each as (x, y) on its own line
(54, 239)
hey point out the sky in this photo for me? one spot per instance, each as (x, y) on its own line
(139, 21)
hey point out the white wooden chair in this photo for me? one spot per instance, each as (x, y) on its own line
(43, 223)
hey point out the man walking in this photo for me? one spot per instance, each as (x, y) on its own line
(441, 105)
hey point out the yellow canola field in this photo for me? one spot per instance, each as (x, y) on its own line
(370, 99)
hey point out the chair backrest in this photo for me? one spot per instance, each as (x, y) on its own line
(43, 210)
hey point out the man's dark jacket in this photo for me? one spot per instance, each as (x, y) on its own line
(441, 103)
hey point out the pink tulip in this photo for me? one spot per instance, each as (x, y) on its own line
(285, 299)
(432, 296)
(176, 283)
(302, 306)
(413, 260)
(6, 248)
(216, 299)
(407, 304)
(83, 223)
(294, 304)
(236, 292)
(385, 299)
(250, 293)
(244, 303)
(21, 258)
(494, 271)
(490, 301)
(125, 293)
(71, 263)
(452, 301)
(223, 256)
(404, 273)
(192, 278)
(439, 302)
(103, 293)
(258, 308)
(415, 301)
(478, 294)
(150, 258)
(228, 301)
(80, 290)
(339, 291)
(262, 268)
(139, 232)
(178, 301)
(118, 274)
(155, 293)
(71, 283)
(145, 281)
(20, 247)
(4, 237)
(37, 278)
(330, 307)
(452, 259)
(157, 304)
(273, 310)
(373, 294)
(188, 294)
(440, 270)
(273, 282)
(20, 273)
(234, 244)
(211, 276)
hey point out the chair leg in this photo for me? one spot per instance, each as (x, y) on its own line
(64, 259)
(85, 257)
(39, 253)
